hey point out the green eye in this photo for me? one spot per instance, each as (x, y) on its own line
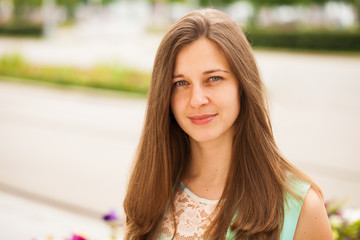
(215, 79)
(180, 83)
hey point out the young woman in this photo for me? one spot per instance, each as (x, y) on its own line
(207, 165)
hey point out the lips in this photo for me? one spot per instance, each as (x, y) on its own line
(202, 119)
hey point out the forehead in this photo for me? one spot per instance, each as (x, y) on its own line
(200, 55)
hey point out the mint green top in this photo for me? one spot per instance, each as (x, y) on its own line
(292, 209)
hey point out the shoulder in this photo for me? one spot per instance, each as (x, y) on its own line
(313, 221)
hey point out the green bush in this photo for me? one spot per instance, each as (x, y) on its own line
(21, 29)
(101, 76)
(305, 39)
(342, 229)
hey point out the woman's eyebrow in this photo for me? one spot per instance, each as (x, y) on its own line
(204, 73)
(214, 70)
(178, 76)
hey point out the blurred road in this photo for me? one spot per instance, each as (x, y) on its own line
(24, 219)
(79, 48)
(63, 149)
(72, 148)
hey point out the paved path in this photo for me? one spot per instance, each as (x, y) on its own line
(67, 149)
(73, 148)
(316, 114)
(70, 146)
(24, 219)
(70, 48)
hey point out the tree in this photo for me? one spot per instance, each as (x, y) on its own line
(356, 4)
(259, 3)
(20, 7)
(70, 6)
(216, 3)
(286, 2)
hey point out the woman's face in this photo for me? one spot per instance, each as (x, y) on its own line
(205, 92)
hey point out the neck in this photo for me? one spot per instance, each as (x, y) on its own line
(209, 163)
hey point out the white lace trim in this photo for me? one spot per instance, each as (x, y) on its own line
(193, 216)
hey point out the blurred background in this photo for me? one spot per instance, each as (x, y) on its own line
(73, 81)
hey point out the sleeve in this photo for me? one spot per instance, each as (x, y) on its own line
(292, 209)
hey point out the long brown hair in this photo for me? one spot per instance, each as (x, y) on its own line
(252, 203)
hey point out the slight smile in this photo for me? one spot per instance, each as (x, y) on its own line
(202, 119)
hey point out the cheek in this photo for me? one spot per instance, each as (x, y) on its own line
(229, 96)
(230, 102)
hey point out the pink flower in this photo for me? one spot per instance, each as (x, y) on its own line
(77, 237)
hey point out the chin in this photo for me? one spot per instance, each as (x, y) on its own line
(202, 138)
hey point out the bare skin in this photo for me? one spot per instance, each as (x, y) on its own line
(208, 169)
(313, 223)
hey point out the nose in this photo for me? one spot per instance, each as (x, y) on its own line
(198, 96)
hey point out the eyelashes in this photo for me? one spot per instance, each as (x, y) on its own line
(212, 79)
(181, 83)
(215, 79)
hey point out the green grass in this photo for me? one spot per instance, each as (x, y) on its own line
(103, 76)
